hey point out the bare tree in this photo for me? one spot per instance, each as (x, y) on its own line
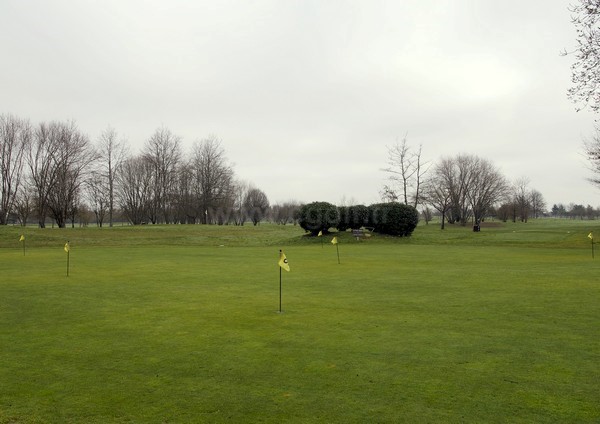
(437, 190)
(590, 212)
(278, 214)
(576, 211)
(72, 159)
(224, 211)
(256, 204)
(504, 211)
(286, 212)
(486, 188)
(388, 194)
(41, 169)
(521, 199)
(24, 204)
(163, 153)
(427, 215)
(538, 204)
(84, 215)
(112, 151)
(591, 148)
(585, 71)
(465, 167)
(240, 192)
(77, 209)
(58, 160)
(522, 202)
(97, 190)
(456, 174)
(134, 178)
(406, 172)
(15, 136)
(212, 178)
(463, 187)
(186, 204)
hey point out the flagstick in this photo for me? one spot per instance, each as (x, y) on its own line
(23, 247)
(592, 248)
(337, 247)
(283, 263)
(68, 257)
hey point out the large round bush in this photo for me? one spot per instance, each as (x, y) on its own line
(318, 216)
(396, 219)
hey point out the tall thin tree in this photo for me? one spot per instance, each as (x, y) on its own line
(112, 151)
(15, 136)
(406, 170)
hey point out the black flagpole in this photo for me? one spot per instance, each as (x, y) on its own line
(279, 289)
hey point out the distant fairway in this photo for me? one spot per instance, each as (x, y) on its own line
(175, 324)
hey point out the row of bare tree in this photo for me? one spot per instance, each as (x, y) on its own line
(574, 211)
(49, 170)
(462, 188)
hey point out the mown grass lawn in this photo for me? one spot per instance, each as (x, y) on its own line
(181, 324)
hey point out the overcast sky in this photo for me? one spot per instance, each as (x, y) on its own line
(307, 95)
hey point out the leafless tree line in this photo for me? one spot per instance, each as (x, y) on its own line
(161, 186)
(462, 189)
(521, 203)
(52, 171)
(574, 211)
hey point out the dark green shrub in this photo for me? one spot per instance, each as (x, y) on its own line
(318, 216)
(352, 217)
(358, 216)
(343, 212)
(396, 219)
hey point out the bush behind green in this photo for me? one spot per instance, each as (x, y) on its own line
(318, 216)
(393, 218)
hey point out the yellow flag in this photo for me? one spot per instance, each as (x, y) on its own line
(590, 236)
(334, 241)
(22, 238)
(67, 247)
(283, 262)
(320, 234)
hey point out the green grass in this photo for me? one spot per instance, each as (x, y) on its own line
(180, 324)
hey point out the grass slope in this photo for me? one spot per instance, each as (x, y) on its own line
(180, 324)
